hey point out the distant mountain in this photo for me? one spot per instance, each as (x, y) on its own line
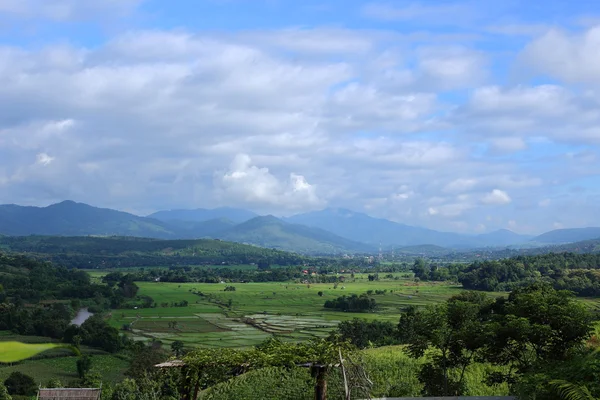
(568, 235)
(269, 231)
(76, 219)
(363, 228)
(236, 215)
(501, 237)
(201, 229)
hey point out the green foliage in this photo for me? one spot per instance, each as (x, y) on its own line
(4, 395)
(575, 272)
(355, 303)
(209, 367)
(536, 325)
(144, 361)
(177, 348)
(453, 333)
(84, 364)
(570, 391)
(96, 332)
(20, 384)
(362, 333)
(54, 383)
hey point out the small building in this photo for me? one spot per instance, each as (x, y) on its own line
(69, 394)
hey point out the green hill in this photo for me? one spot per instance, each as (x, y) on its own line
(274, 233)
(114, 252)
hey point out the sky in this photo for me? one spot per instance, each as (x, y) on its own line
(466, 116)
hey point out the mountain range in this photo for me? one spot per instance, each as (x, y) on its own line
(329, 231)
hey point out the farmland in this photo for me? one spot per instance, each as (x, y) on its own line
(56, 362)
(253, 312)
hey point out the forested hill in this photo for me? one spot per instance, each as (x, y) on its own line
(100, 252)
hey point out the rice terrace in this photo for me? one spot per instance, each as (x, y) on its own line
(252, 312)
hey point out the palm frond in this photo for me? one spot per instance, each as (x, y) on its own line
(571, 391)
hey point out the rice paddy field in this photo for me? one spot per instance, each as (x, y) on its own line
(255, 311)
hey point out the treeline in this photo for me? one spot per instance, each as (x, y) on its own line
(579, 273)
(354, 303)
(217, 275)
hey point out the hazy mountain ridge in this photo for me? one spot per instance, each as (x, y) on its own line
(327, 231)
(364, 228)
(559, 236)
(236, 215)
(269, 231)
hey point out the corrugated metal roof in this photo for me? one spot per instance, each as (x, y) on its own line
(70, 393)
(171, 364)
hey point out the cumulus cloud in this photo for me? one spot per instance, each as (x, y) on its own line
(569, 57)
(248, 183)
(496, 197)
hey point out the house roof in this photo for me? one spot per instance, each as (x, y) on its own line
(171, 364)
(70, 394)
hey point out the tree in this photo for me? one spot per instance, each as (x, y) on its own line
(456, 331)
(144, 361)
(20, 384)
(177, 347)
(535, 327)
(420, 269)
(54, 383)
(84, 364)
(362, 333)
(4, 395)
(96, 332)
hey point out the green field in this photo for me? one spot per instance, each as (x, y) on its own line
(56, 362)
(290, 311)
(11, 351)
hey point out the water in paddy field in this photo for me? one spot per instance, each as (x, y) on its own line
(82, 315)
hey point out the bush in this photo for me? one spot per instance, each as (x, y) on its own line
(20, 384)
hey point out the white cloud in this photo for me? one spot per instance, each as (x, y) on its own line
(496, 197)
(508, 144)
(255, 185)
(461, 185)
(44, 159)
(569, 57)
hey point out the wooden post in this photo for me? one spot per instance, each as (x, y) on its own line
(320, 372)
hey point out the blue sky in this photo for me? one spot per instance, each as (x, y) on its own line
(456, 115)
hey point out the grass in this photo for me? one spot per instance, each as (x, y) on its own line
(65, 368)
(11, 351)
